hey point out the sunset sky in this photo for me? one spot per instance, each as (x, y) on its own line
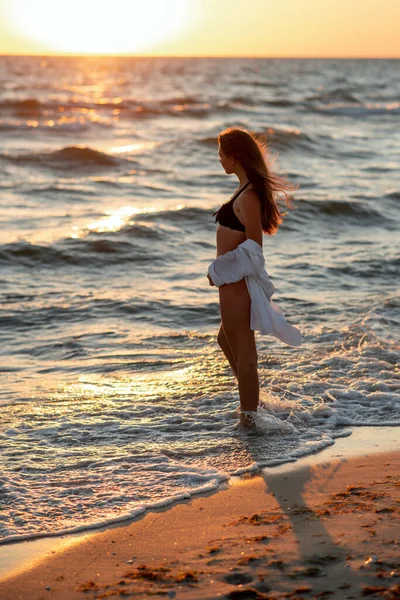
(276, 28)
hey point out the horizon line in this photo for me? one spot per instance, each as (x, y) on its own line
(226, 56)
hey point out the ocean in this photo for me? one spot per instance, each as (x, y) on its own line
(114, 395)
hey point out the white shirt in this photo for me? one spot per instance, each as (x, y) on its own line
(247, 261)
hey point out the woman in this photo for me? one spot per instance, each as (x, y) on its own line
(241, 222)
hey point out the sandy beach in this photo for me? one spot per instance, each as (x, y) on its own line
(324, 527)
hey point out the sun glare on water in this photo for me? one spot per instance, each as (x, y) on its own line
(100, 26)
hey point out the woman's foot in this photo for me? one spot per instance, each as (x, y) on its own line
(246, 420)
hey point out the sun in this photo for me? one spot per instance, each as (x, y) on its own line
(100, 26)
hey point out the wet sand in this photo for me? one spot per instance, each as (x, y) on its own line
(324, 527)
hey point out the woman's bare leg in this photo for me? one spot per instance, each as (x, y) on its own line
(235, 305)
(226, 349)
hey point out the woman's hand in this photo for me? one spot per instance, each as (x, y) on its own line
(210, 281)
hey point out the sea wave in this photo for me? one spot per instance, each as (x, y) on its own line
(290, 139)
(281, 102)
(346, 210)
(394, 195)
(86, 251)
(336, 95)
(57, 126)
(369, 268)
(193, 214)
(81, 193)
(360, 111)
(80, 113)
(33, 108)
(49, 311)
(257, 83)
(30, 107)
(67, 157)
(149, 237)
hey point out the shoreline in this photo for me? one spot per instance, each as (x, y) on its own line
(16, 558)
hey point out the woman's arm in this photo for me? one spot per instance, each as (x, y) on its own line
(250, 215)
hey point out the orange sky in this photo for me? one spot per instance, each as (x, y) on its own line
(286, 28)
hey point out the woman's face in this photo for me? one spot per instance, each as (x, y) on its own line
(227, 163)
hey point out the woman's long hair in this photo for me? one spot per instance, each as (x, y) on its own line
(251, 150)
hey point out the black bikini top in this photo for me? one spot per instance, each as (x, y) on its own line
(226, 215)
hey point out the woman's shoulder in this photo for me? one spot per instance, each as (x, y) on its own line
(249, 196)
